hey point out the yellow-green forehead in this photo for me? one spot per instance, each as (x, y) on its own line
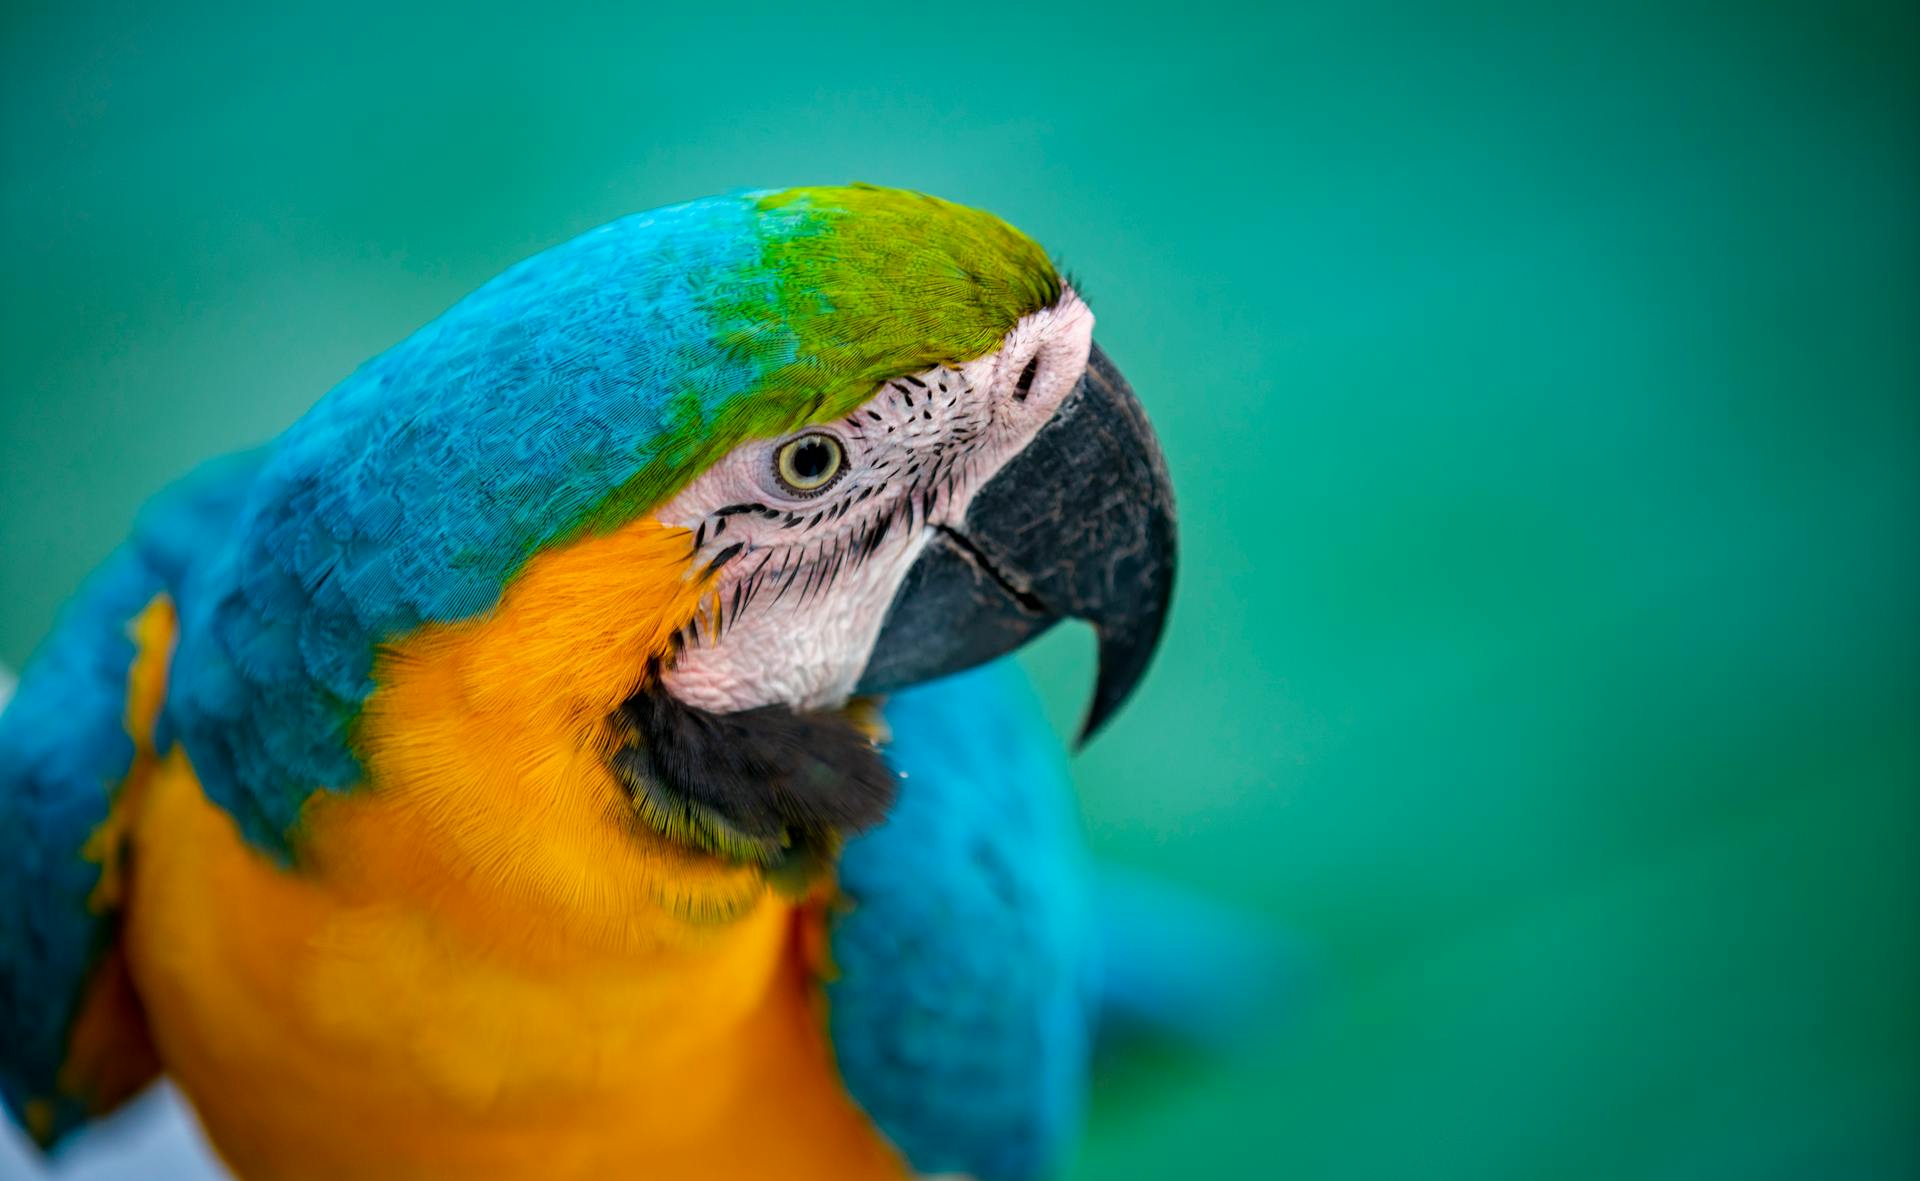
(876, 282)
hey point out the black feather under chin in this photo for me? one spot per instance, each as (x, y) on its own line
(772, 785)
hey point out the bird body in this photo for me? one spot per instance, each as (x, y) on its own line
(476, 781)
(520, 998)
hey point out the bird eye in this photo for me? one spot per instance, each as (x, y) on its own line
(806, 465)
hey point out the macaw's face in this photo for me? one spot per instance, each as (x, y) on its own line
(956, 513)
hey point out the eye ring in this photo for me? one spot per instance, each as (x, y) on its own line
(809, 464)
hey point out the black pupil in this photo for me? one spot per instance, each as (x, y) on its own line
(812, 460)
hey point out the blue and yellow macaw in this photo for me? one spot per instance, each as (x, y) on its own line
(491, 776)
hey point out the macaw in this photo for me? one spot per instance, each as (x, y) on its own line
(582, 745)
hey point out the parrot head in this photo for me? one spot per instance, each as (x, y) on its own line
(866, 434)
(950, 516)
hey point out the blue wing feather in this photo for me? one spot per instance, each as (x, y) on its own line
(962, 1008)
(64, 751)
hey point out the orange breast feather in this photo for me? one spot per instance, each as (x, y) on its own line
(483, 964)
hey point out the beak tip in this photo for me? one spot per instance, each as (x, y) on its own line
(1126, 653)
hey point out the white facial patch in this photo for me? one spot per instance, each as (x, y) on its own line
(805, 579)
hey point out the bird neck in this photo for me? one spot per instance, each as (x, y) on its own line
(486, 744)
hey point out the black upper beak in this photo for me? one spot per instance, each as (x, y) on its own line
(1078, 524)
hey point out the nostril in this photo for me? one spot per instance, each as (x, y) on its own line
(1024, 386)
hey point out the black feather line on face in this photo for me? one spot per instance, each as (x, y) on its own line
(772, 785)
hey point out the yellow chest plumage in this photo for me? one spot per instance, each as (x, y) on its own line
(483, 965)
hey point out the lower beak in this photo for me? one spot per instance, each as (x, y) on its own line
(1078, 524)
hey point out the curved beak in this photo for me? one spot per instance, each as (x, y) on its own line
(1078, 524)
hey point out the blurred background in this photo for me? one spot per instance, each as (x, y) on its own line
(1542, 388)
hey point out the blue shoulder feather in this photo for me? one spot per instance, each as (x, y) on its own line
(962, 1007)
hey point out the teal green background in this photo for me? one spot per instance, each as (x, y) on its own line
(1542, 388)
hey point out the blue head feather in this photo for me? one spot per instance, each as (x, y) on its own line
(413, 490)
